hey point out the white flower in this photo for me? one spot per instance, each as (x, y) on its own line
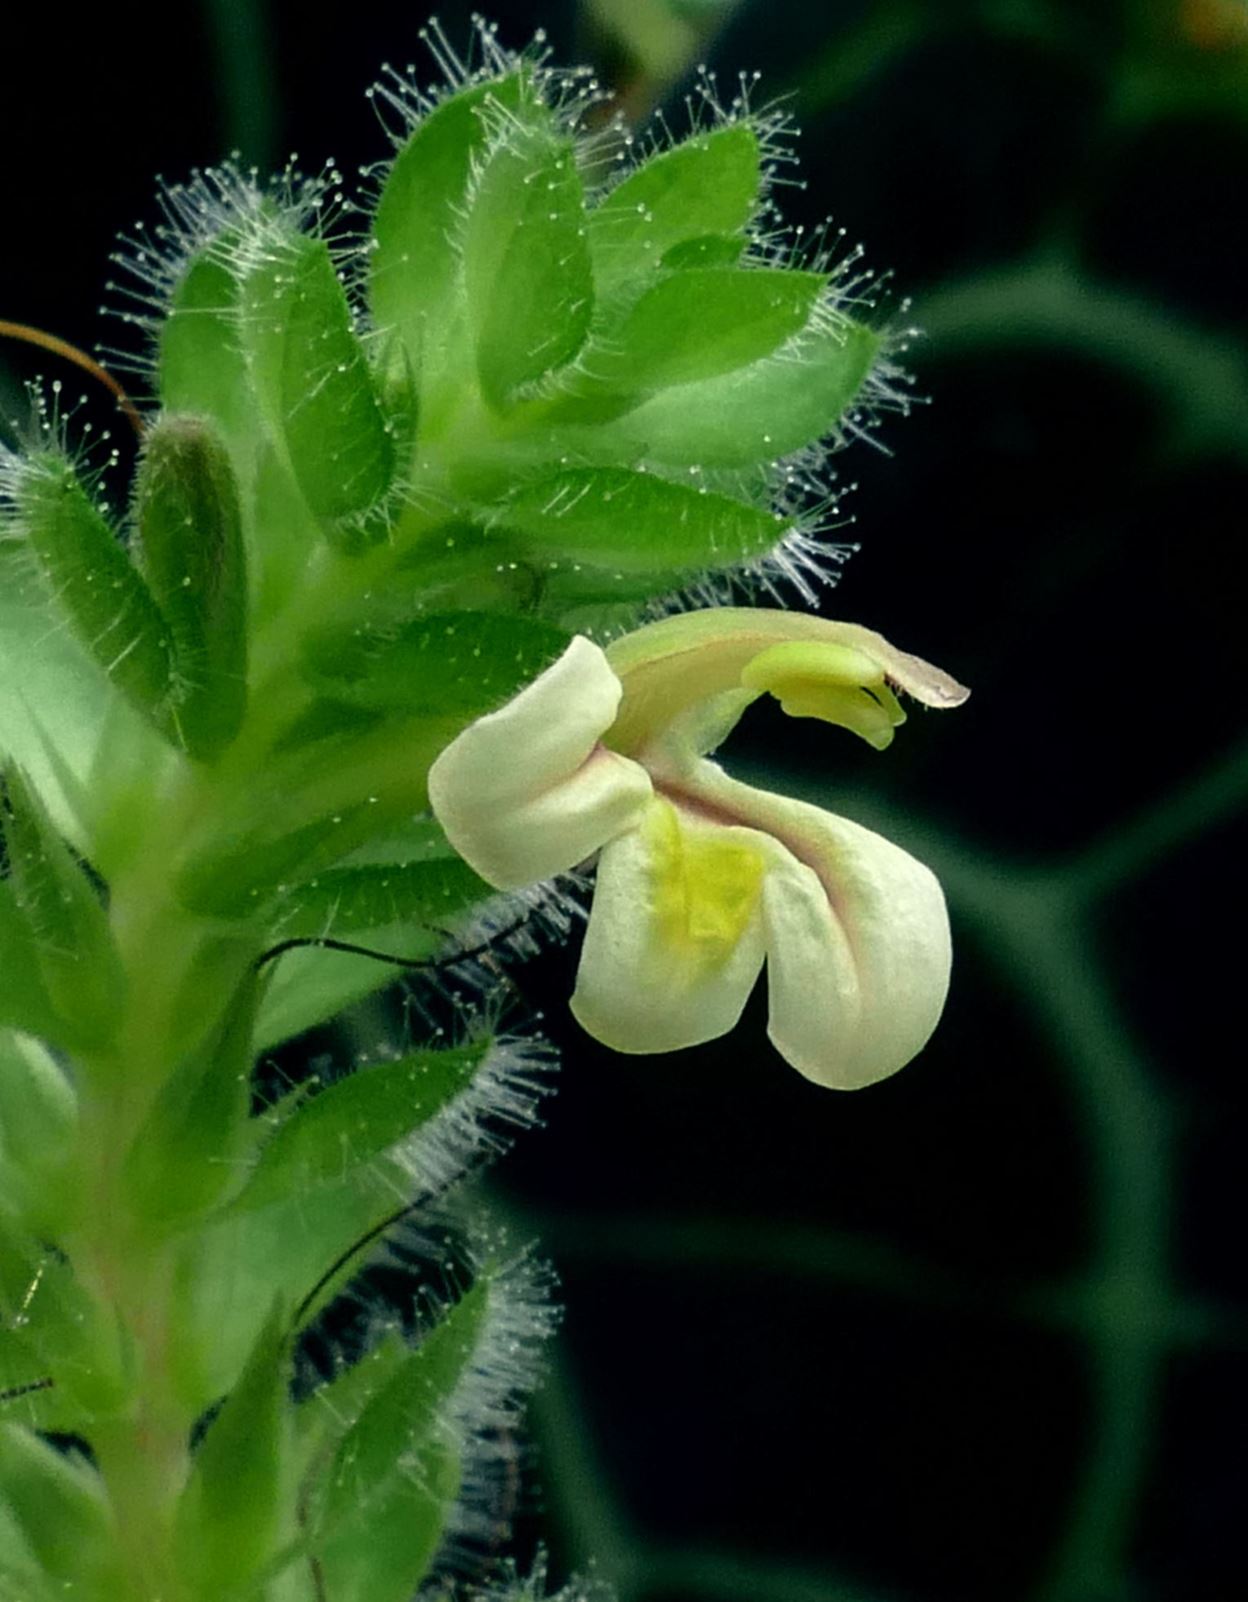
(702, 880)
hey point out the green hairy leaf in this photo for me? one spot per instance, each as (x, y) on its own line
(232, 1267)
(53, 1325)
(56, 703)
(192, 556)
(68, 927)
(414, 262)
(190, 1149)
(311, 371)
(97, 587)
(357, 1118)
(201, 366)
(246, 876)
(758, 413)
(228, 1517)
(708, 250)
(613, 519)
(58, 1504)
(448, 663)
(333, 1408)
(527, 274)
(284, 533)
(709, 184)
(24, 999)
(38, 1122)
(429, 885)
(395, 1472)
(701, 322)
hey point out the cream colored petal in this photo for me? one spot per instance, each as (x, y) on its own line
(858, 947)
(675, 937)
(528, 791)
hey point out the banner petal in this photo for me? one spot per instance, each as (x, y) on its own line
(529, 791)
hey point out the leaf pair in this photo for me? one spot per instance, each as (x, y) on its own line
(320, 1172)
(314, 385)
(359, 1482)
(528, 324)
(480, 265)
(168, 628)
(393, 1445)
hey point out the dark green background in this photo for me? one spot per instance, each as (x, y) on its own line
(976, 1334)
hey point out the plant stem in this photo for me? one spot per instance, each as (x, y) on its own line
(181, 972)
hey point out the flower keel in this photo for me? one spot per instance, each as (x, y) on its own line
(857, 934)
(675, 939)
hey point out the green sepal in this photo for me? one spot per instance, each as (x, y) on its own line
(200, 367)
(709, 184)
(24, 1000)
(383, 1505)
(527, 272)
(310, 809)
(310, 371)
(445, 664)
(323, 723)
(386, 1559)
(29, 1391)
(243, 876)
(314, 985)
(618, 521)
(757, 414)
(31, 1395)
(398, 388)
(97, 587)
(63, 1333)
(414, 263)
(19, 1577)
(191, 1147)
(696, 324)
(74, 947)
(59, 1504)
(356, 1119)
(38, 1121)
(324, 1417)
(228, 1521)
(56, 705)
(18, 1580)
(708, 250)
(192, 555)
(283, 533)
(230, 1269)
(455, 555)
(429, 888)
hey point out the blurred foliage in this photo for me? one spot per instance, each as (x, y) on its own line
(978, 1334)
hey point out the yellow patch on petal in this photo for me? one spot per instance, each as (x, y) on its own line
(704, 889)
(835, 683)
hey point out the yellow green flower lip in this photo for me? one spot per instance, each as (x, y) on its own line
(703, 881)
(683, 661)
